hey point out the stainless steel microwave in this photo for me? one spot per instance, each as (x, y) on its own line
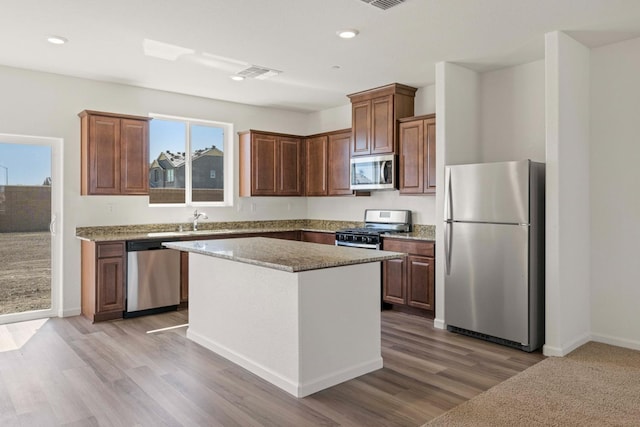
(373, 172)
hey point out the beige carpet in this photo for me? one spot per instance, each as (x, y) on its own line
(596, 385)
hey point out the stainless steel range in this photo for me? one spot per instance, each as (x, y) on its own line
(376, 223)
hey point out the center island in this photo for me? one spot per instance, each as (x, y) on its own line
(303, 316)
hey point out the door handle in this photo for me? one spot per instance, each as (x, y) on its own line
(448, 232)
(52, 225)
(382, 172)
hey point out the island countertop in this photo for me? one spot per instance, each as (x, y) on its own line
(285, 255)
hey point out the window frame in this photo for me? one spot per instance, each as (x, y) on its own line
(227, 149)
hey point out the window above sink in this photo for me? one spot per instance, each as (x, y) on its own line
(190, 162)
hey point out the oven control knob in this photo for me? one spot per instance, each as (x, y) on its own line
(366, 239)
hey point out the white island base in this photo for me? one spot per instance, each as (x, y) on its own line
(302, 331)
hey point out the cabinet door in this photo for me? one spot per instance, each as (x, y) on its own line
(289, 167)
(430, 156)
(382, 125)
(184, 277)
(420, 282)
(338, 165)
(134, 157)
(316, 162)
(110, 284)
(104, 155)
(264, 160)
(319, 237)
(394, 281)
(361, 112)
(411, 161)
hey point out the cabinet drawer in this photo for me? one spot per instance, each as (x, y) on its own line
(107, 250)
(414, 247)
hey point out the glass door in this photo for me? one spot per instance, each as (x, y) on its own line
(27, 227)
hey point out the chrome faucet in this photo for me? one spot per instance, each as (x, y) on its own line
(196, 216)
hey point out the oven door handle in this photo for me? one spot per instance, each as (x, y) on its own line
(359, 245)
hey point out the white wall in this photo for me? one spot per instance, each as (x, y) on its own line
(47, 105)
(567, 195)
(457, 141)
(615, 198)
(512, 113)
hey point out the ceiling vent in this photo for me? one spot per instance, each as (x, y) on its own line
(384, 4)
(256, 72)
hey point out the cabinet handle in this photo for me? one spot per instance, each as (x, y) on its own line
(52, 225)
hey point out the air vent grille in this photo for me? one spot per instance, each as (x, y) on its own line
(256, 72)
(384, 4)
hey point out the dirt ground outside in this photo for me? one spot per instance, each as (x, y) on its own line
(25, 272)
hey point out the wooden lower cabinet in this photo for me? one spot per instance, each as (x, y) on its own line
(421, 282)
(394, 289)
(184, 277)
(103, 280)
(319, 237)
(410, 282)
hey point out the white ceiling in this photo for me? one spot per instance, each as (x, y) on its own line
(298, 37)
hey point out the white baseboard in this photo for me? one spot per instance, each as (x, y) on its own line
(617, 341)
(565, 349)
(70, 312)
(439, 324)
(289, 385)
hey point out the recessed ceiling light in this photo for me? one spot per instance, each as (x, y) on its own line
(56, 40)
(237, 78)
(347, 34)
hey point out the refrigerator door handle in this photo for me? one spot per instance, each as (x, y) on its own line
(447, 246)
(448, 209)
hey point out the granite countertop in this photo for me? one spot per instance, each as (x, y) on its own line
(153, 231)
(285, 255)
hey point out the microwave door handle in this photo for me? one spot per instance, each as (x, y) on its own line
(382, 172)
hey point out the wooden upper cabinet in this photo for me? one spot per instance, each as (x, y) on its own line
(374, 116)
(338, 164)
(290, 170)
(271, 164)
(134, 157)
(316, 165)
(417, 155)
(327, 164)
(382, 125)
(361, 117)
(264, 160)
(114, 154)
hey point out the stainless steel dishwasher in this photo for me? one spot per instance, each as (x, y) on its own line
(153, 278)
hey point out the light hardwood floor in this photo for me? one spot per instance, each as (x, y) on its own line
(74, 373)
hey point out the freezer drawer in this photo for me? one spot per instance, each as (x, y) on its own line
(487, 279)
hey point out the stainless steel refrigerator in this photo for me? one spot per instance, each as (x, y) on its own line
(494, 247)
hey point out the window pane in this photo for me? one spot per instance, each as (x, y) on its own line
(167, 153)
(207, 163)
(25, 240)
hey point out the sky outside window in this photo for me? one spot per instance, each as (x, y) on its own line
(26, 164)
